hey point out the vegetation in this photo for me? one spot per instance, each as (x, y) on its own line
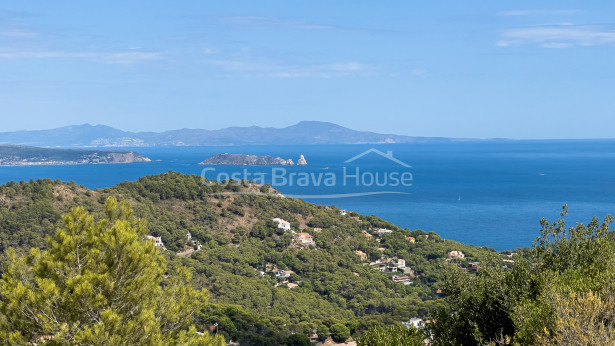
(563, 293)
(339, 332)
(98, 283)
(392, 336)
(558, 291)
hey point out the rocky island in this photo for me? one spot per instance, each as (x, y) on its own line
(248, 160)
(15, 155)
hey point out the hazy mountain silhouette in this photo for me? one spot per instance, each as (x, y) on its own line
(305, 132)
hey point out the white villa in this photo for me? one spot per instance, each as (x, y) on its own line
(283, 224)
(456, 254)
(157, 240)
(383, 231)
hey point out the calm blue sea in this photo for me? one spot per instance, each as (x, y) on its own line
(484, 193)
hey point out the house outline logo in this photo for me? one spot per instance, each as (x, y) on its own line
(388, 155)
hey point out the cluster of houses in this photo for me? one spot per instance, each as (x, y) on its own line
(303, 238)
(193, 242)
(281, 274)
(389, 265)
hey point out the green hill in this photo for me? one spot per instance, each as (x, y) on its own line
(17, 155)
(238, 253)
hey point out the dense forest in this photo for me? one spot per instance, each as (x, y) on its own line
(334, 274)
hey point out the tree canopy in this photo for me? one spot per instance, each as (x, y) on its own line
(562, 292)
(99, 282)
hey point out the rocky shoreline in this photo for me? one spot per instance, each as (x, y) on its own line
(250, 160)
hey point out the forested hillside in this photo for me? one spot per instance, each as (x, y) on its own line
(265, 283)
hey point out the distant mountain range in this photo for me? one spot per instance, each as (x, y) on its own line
(305, 132)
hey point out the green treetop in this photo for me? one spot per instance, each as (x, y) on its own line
(99, 282)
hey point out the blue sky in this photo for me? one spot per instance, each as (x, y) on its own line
(522, 69)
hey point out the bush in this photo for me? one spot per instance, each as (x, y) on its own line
(391, 336)
(323, 332)
(340, 332)
(298, 339)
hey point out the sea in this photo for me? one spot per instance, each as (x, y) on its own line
(485, 193)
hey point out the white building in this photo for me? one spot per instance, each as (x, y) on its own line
(415, 322)
(283, 224)
(281, 273)
(456, 254)
(383, 231)
(157, 240)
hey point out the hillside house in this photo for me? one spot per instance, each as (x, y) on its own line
(473, 266)
(157, 240)
(189, 236)
(383, 231)
(401, 279)
(281, 273)
(367, 235)
(377, 266)
(388, 269)
(412, 240)
(455, 254)
(362, 255)
(304, 239)
(283, 224)
(343, 212)
(414, 322)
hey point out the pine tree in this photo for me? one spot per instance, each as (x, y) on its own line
(99, 282)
